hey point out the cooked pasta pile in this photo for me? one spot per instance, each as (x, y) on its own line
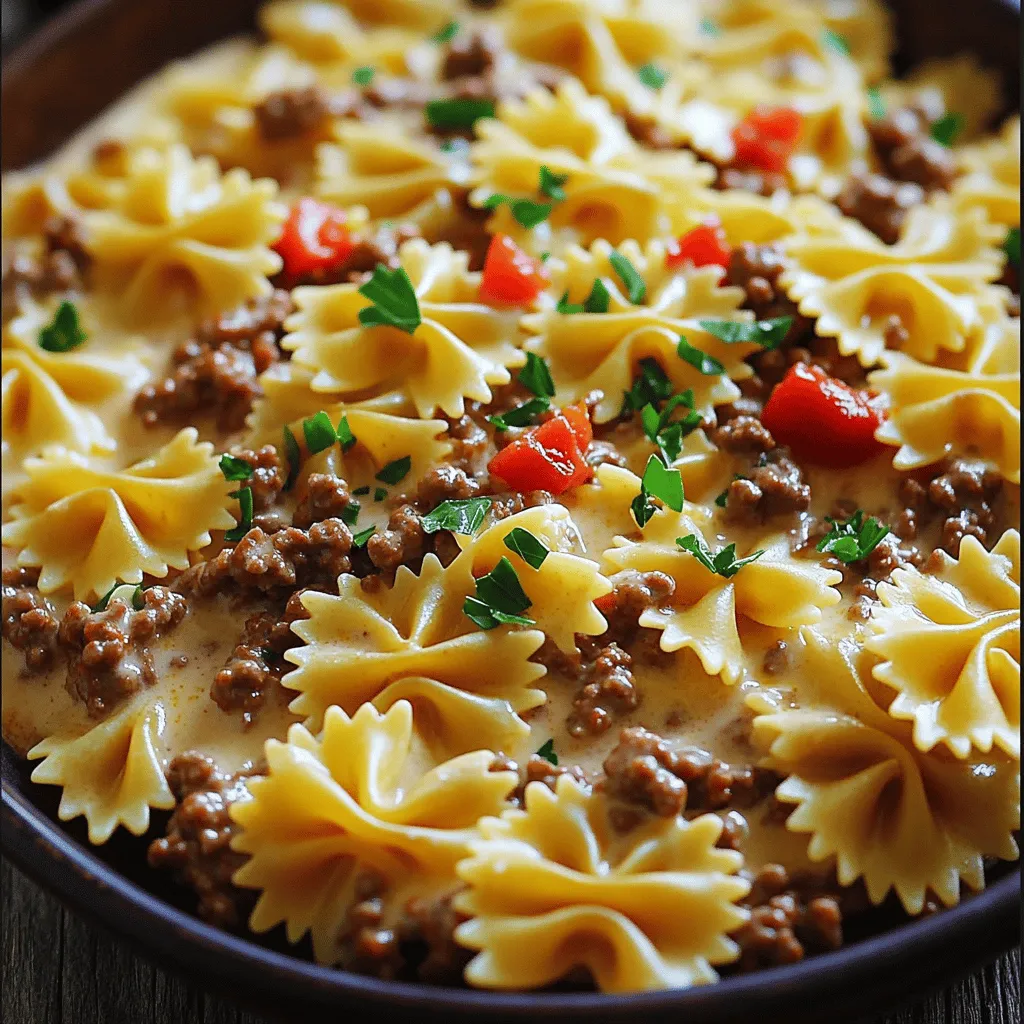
(530, 487)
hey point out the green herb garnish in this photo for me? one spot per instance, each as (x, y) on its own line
(293, 455)
(360, 539)
(394, 300)
(458, 113)
(234, 468)
(876, 105)
(725, 563)
(499, 599)
(350, 513)
(101, 604)
(652, 76)
(361, 490)
(551, 184)
(1011, 246)
(650, 387)
(64, 332)
(768, 334)
(854, 539)
(660, 482)
(597, 300)
(525, 212)
(710, 27)
(395, 471)
(456, 145)
(536, 376)
(835, 42)
(363, 75)
(344, 433)
(460, 515)
(245, 506)
(521, 416)
(636, 289)
(947, 128)
(547, 751)
(380, 493)
(665, 432)
(319, 433)
(723, 499)
(698, 359)
(531, 550)
(446, 34)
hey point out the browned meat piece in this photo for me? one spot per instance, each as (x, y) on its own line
(647, 131)
(29, 619)
(402, 542)
(265, 563)
(268, 475)
(326, 497)
(744, 435)
(604, 453)
(775, 488)
(777, 658)
(367, 252)
(509, 504)
(469, 445)
(256, 665)
(642, 770)
(107, 651)
(750, 179)
(879, 203)
(540, 769)
(471, 54)
(399, 93)
(756, 269)
(788, 921)
(62, 266)
(607, 690)
(291, 113)
(426, 935)
(197, 845)
(965, 491)
(907, 151)
(632, 594)
(444, 483)
(217, 370)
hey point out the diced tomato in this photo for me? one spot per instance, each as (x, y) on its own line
(824, 420)
(767, 137)
(702, 247)
(510, 275)
(314, 240)
(548, 457)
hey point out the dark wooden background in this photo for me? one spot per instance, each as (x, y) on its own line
(56, 969)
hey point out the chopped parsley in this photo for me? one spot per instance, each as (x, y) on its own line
(456, 145)
(595, 302)
(101, 604)
(547, 751)
(709, 27)
(835, 42)
(394, 300)
(380, 493)
(665, 432)
(395, 471)
(521, 416)
(446, 34)
(363, 75)
(458, 113)
(1011, 246)
(344, 434)
(361, 490)
(698, 359)
(723, 499)
(651, 75)
(64, 332)
(768, 334)
(234, 468)
(947, 128)
(293, 455)
(132, 595)
(650, 386)
(318, 432)
(876, 105)
(350, 513)
(636, 289)
(460, 515)
(551, 184)
(245, 506)
(531, 550)
(660, 482)
(499, 599)
(525, 212)
(725, 563)
(854, 539)
(536, 376)
(360, 539)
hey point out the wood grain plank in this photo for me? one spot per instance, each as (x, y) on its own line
(58, 968)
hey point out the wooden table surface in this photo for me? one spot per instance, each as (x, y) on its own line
(57, 969)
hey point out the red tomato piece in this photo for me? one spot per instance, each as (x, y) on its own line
(510, 275)
(702, 247)
(314, 240)
(767, 137)
(822, 419)
(548, 457)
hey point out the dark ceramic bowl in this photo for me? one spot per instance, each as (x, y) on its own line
(56, 82)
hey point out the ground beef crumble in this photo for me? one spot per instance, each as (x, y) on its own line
(756, 269)
(327, 497)
(268, 475)
(62, 265)
(107, 653)
(607, 691)
(197, 844)
(907, 151)
(879, 203)
(29, 619)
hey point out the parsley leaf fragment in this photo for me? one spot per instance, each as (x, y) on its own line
(1011, 246)
(876, 105)
(394, 300)
(531, 550)
(596, 302)
(380, 493)
(547, 751)
(854, 539)
(536, 376)
(344, 433)
(768, 334)
(234, 468)
(64, 332)
(447, 33)
(665, 432)
(698, 359)
(650, 386)
(651, 75)
(499, 599)
(947, 128)
(835, 42)
(245, 506)
(318, 432)
(521, 416)
(458, 113)
(350, 513)
(551, 184)
(661, 482)
(725, 563)
(395, 471)
(525, 212)
(708, 27)
(363, 75)
(636, 289)
(460, 515)
(293, 455)
(360, 539)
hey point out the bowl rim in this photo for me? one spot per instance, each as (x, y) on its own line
(893, 965)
